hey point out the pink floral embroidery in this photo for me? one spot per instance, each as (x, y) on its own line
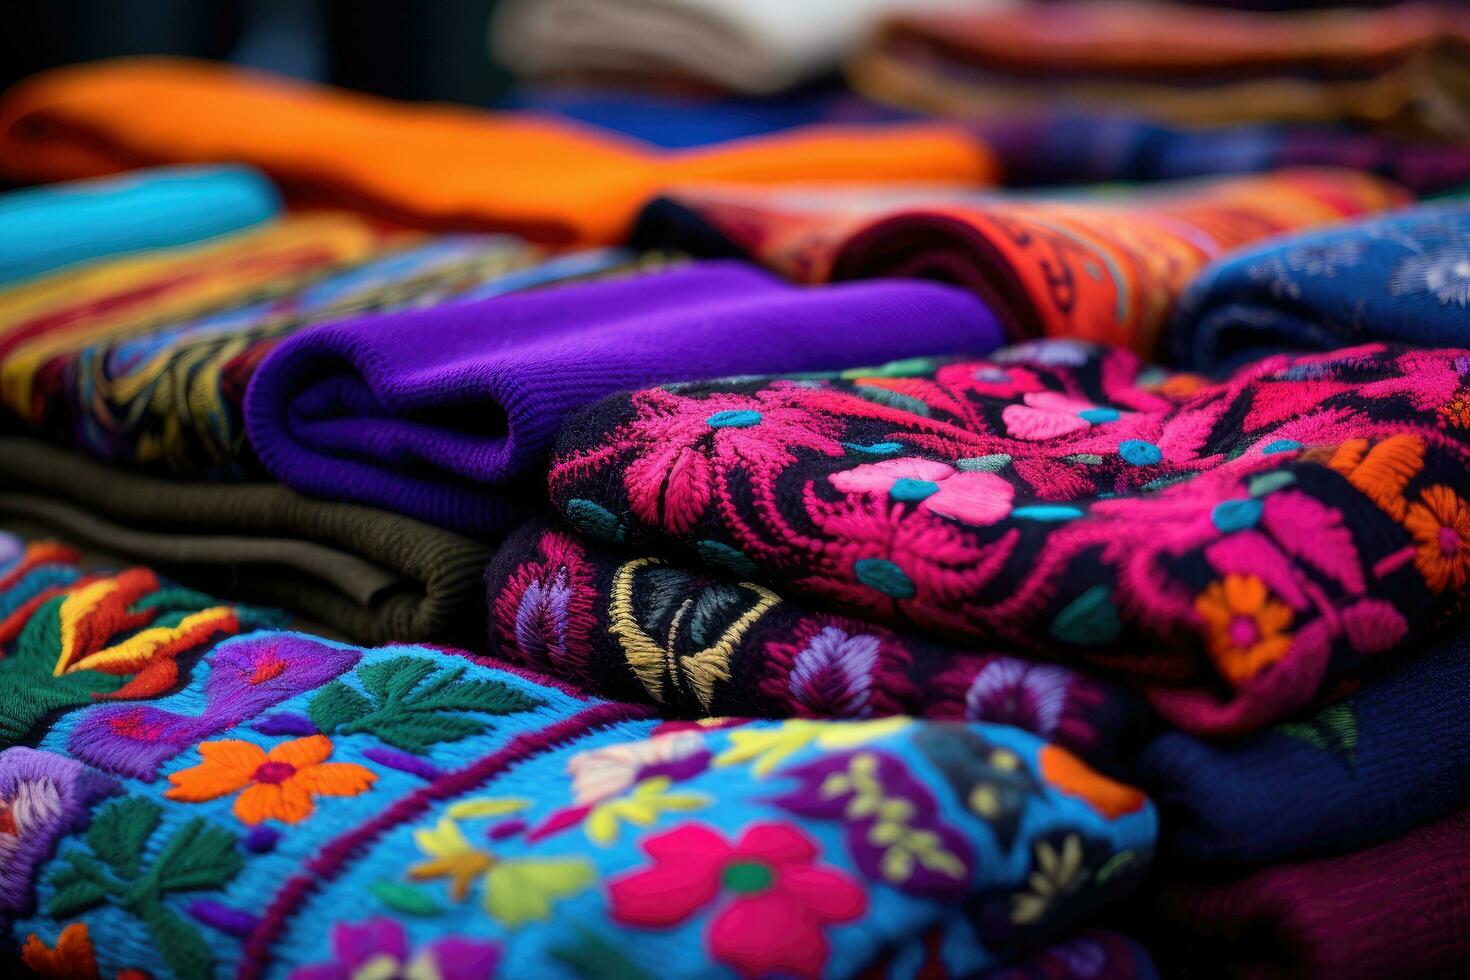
(774, 899)
(975, 498)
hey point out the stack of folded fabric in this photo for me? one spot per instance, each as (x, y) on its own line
(753, 577)
(1401, 67)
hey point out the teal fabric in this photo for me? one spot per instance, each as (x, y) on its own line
(43, 229)
(486, 817)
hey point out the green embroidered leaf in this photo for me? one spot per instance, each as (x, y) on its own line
(393, 679)
(75, 895)
(336, 704)
(891, 399)
(179, 942)
(1334, 729)
(597, 959)
(119, 832)
(414, 708)
(405, 898)
(594, 520)
(197, 856)
(1091, 619)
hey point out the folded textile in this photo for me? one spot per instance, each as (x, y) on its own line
(1401, 278)
(452, 168)
(1236, 548)
(372, 576)
(44, 319)
(70, 638)
(678, 121)
(1401, 909)
(1386, 759)
(43, 229)
(1092, 147)
(171, 399)
(700, 644)
(1102, 266)
(310, 809)
(1404, 67)
(755, 46)
(427, 412)
(1097, 954)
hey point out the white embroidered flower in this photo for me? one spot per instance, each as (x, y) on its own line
(600, 773)
(1444, 272)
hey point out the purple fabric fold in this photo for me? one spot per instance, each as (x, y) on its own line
(433, 412)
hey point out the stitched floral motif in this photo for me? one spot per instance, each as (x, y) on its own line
(119, 866)
(114, 636)
(379, 947)
(705, 644)
(281, 784)
(768, 883)
(1233, 547)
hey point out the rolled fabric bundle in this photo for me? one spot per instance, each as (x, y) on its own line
(44, 320)
(1059, 147)
(754, 46)
(429, 412)
(293, 806)
(372, 576)
(47, 228)
(1101, 266)
(700, 644)
(170, 398)
(1235, 548)
(1401, 278)
(1401, 68)
(1382, 761)
(1401, 909)
(451, 168)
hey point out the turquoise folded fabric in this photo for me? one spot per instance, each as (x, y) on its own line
(47, 228)
(295, 807)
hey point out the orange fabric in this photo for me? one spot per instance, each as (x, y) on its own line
(1070, 775)
(429, 166)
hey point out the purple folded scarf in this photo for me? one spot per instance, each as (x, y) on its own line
(426, 412)
(1401, 909)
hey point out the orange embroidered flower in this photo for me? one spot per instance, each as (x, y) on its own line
(73, 956)
(1071, 776)
(1440, 524)
(1247, 629)
(279, 785)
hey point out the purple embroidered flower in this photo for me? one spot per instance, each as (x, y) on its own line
(379, 948)
(1028, 695)
(833, 674)
(892, 824)
(42, 797)
(541, 619)
(247, 675)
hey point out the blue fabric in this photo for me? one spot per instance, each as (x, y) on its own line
(485, 813)
(679, 123)
(47, 228)
(1387, 759)
(1399, 278)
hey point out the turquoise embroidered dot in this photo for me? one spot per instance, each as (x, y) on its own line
(1236, 515)
(912, 490)
(884, 576)
(745, 877)
(734, 418)
(1280, 446)
(1139, 453)
(1097, 416)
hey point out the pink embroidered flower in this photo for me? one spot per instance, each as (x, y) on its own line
(679, 442)
(975, 497)
(378, 949)
(543, 613)
(774, 900)
(1049, 414)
